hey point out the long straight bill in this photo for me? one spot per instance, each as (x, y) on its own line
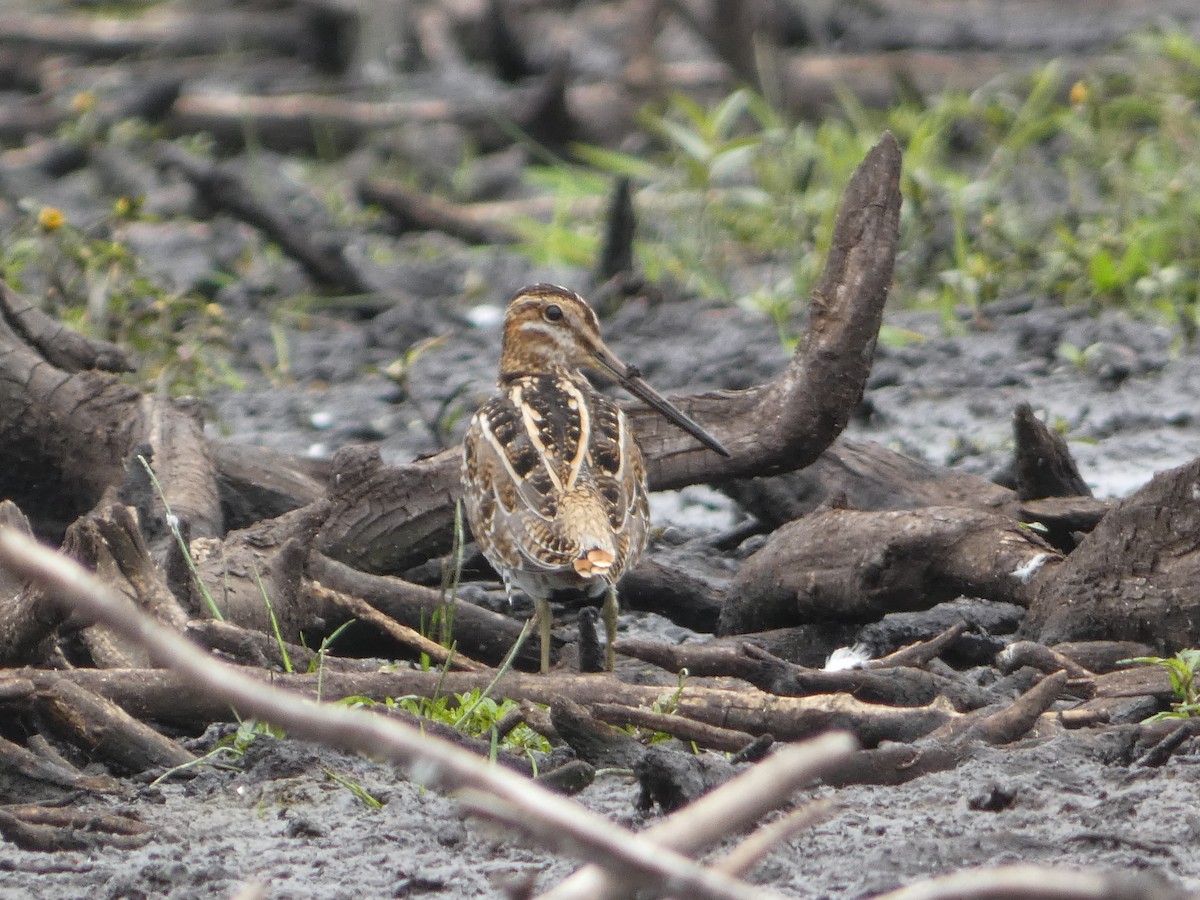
(633, 383)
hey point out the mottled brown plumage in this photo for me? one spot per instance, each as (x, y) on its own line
(554, 484)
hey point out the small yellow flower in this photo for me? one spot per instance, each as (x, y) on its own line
(123, 206)
(51, 218)
(1079, 94)
(84, 101)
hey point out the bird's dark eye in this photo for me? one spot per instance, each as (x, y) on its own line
(553, 312)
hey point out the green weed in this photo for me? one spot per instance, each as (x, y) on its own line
(1182, 670)
(1079, 194)
(86, 276)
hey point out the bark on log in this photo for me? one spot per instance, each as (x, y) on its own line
(846, 565)
(1134, 577)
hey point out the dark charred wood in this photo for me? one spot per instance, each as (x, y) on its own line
(255, 575)
(410, 210)
(620, 225)
(989, 625)
(504, 46)
(569, 778)
(1045, 467)
(545, 114)
(849, 565)
(316, 246)
(709, 737)
(593, 741)
(86, 426)
(591, 646)
(258, 483)
(479, 633)
(673, 590)
(1100, 711)
(74, 831)
(1162, 751)
(1102, 656)
(865, 476)
(1134, 577)
(24, 774)
(105, 731)
(951, 745)
(1137, 681)
(50, 828)
(786, 424)
(1065, 519)
(920, 652)
(671, 780)
(898, 686)
(1045, 659)
(407, 641)
(69, 350)
(390, 518)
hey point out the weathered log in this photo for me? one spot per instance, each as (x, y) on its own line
(856, 566)
(103, 730)
(256, 574)
(596, 743)
(711, 737)
(169, 34)
(75, 429)
(864, 475)
(258, 483)
(1134, 577)
(28, 774)
(162, 696)
(403, 635)
(1102, 656)
(896, 686)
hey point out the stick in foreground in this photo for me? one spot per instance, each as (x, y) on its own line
(428, 760)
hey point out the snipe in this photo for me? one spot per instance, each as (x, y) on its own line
(554, 484)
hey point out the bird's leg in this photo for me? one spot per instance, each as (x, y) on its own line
(609, 612)
(541, 607)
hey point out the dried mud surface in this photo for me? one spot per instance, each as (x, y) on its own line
(278, 818)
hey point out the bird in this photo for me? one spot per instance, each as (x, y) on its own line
(553, 479)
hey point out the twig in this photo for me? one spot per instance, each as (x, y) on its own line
(428, 761)
(1035, 883)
